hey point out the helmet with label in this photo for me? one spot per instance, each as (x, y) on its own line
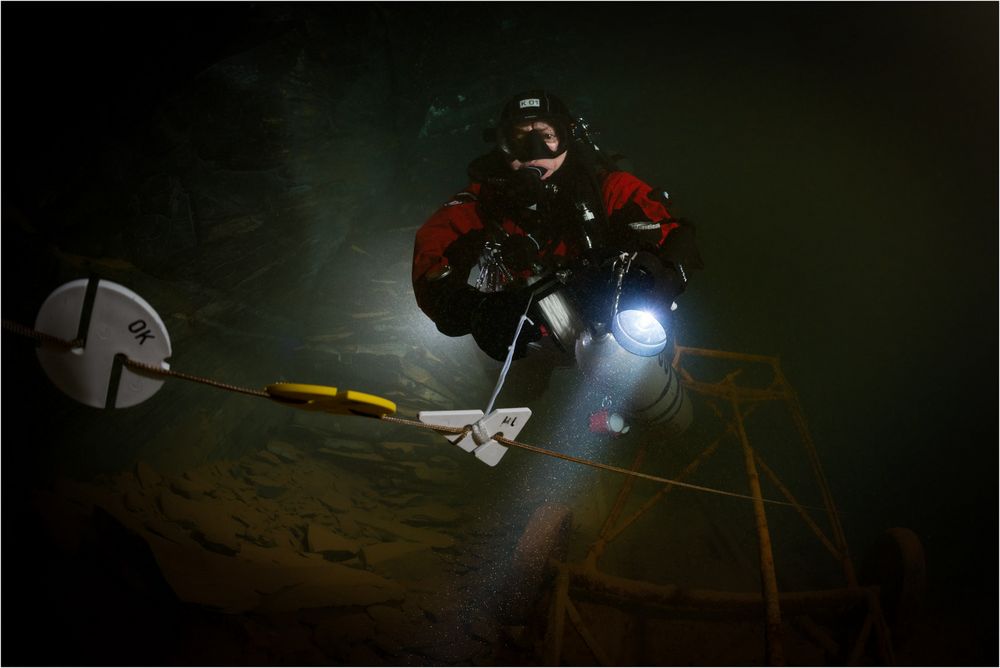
(534, 125)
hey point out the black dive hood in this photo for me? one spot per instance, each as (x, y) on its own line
(534, 105)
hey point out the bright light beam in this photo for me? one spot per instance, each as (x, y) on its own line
(639, 333)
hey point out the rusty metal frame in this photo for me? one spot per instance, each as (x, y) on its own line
(586, 581)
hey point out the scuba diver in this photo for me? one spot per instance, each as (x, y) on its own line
(540, 258)
(547, 209)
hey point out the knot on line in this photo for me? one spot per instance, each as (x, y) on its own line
(480, 435)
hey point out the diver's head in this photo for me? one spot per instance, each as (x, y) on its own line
(534, 132)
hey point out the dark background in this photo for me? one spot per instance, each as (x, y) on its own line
(840, 162)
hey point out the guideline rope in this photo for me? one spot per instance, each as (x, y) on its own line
(170, 373)
(499, 438)
(22, 330)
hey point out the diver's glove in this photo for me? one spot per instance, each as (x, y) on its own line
(680, 254)
(653, 283)
(495, 319)
(449, 302)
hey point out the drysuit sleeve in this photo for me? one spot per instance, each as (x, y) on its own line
(446, 248)
(640, 220)
(629, 200)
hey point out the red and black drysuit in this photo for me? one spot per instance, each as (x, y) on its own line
(545, 238)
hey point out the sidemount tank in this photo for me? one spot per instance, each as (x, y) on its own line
(648, 386)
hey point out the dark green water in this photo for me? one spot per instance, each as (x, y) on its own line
(262, 170)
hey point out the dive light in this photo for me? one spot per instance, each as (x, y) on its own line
(639, 332)
(639, 311)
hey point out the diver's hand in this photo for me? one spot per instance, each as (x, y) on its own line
(653, 282)
(494, 322)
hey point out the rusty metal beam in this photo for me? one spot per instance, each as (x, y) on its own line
(734, 392)
(862, 640)
(597, 547)
(723, 354)
(557, 618)
(630, 594)
(774, 652)
(817, 634)
(803, 428)
(588, 638)
(652, 501)
(883, 636)
(837, 554)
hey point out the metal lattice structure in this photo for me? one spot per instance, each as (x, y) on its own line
(733, 402)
